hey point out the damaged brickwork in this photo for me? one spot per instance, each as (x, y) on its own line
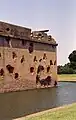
(27, 58)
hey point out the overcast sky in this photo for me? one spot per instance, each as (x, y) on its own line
(59, 16)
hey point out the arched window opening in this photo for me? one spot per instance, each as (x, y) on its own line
(8, 39)
(31, 48)
(24, 42)
(31, 69)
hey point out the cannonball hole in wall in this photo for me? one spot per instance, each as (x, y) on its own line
(39, 34)
(40, 60)
(55, 62)
(16, 75)
(22, 59)
(30, 47)
(10, 68)
(48, 79)
(0, 54)
(48, 69)
(2, 72)
(31, 69)
(40, 68)
(45, 81)
(14, 55)
(51, 63)
(7, 29)
(35, 60)
(44, 57)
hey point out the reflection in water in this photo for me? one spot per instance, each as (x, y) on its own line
(17, 104)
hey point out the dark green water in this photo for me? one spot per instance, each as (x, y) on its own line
(18, 104)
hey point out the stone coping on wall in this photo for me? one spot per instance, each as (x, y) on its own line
(15, 31)
(30, 40)
(18, 32)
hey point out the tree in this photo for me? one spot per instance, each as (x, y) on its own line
(72, 56)
(65, 69)
(69, 68)
(72, 59)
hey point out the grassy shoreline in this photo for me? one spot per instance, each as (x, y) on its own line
(67, 112)
(67, 77)
(64, 113)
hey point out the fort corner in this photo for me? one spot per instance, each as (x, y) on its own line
(26, 58)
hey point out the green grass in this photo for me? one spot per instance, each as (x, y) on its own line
(64, 113)
(67, 77)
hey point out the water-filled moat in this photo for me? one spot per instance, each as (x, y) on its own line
(17, 104)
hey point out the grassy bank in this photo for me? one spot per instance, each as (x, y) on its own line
(64, 113)
(67, 77)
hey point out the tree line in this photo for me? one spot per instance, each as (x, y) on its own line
(69, 68)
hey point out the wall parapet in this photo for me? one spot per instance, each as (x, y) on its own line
(18, 32)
